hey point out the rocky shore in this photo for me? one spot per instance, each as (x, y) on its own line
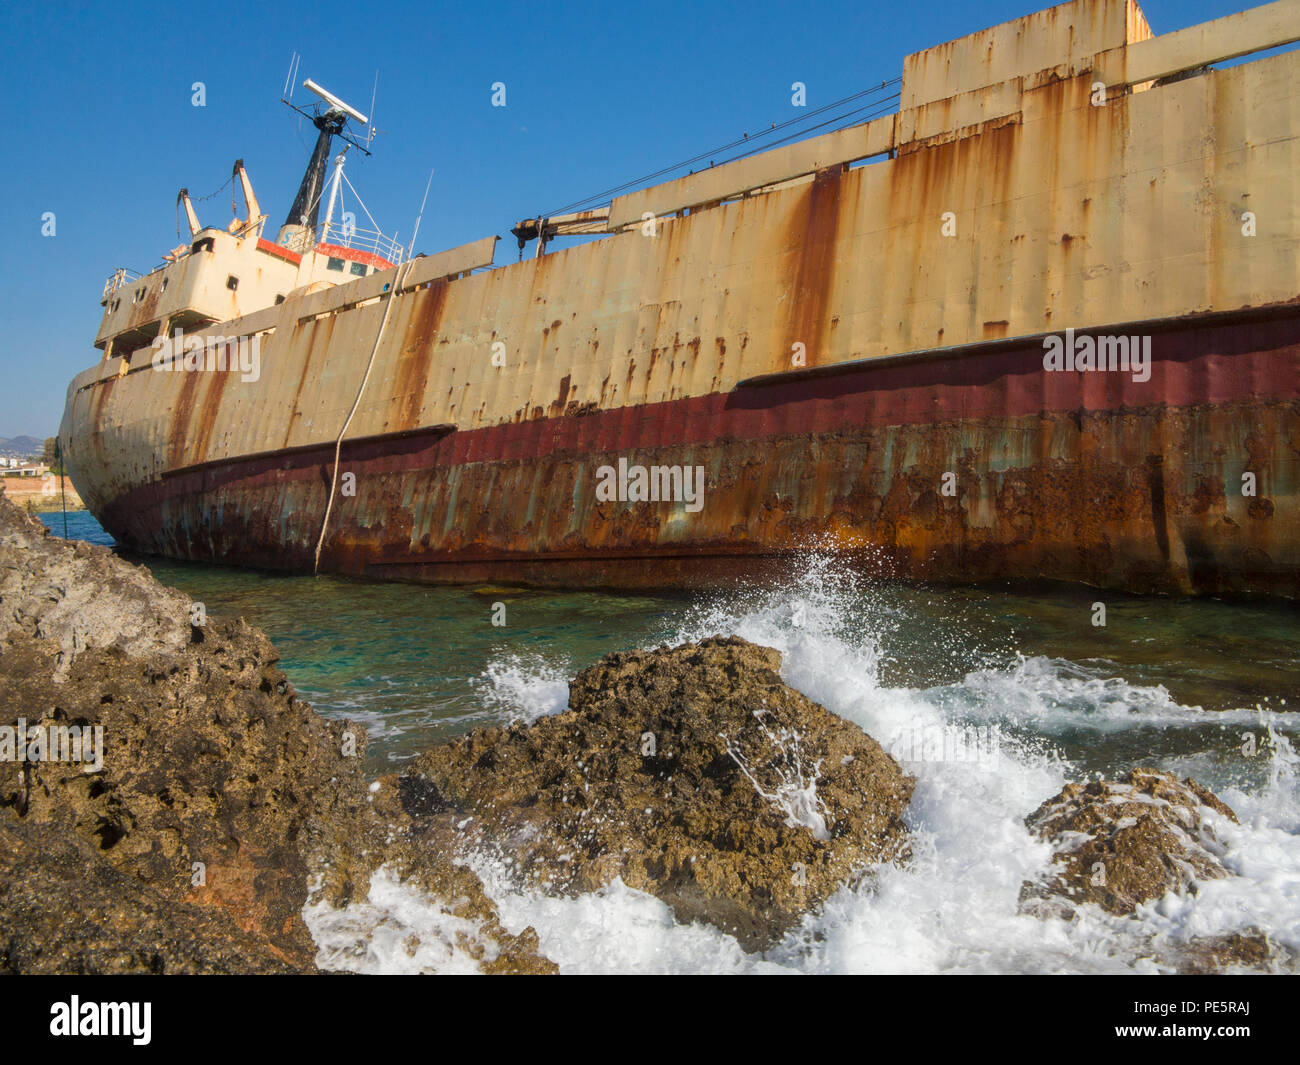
(183, 853)
(199, 809)
(693, 773)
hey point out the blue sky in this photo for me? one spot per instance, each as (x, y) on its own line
(101, 129)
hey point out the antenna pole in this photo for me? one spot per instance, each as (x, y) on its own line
(335, 181)
(299, 229)
(287, 94)
(416, 233)
(370, 128)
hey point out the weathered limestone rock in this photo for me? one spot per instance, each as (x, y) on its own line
(192, 847)
(693, 773)
(1123, 842)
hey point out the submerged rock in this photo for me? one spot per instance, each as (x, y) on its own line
(693, 773)
(1248, 950)
(1120, 843)
(384, 869)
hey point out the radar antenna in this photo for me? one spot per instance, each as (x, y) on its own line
(330, 117)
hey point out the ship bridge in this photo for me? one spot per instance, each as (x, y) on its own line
(224, 274)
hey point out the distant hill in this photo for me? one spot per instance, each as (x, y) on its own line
(21, 447)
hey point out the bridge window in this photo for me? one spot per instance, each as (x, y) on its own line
(359, 269)
(335, 264)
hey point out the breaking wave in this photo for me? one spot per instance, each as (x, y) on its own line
(954, 907)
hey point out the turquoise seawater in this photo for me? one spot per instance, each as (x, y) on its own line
(420, 664)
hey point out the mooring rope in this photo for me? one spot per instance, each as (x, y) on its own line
(63, 491)
(338, 444)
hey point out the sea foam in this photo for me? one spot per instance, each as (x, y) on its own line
(954, 907)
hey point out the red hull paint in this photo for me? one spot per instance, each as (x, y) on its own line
(1090, 477)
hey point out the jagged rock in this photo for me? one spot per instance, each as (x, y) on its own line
(82, 596)
(384, 846)
(1250, 949)
(210, 768)
(380, 839)
(693, 773)
(208, 757)
(1123, 842)
(67, 910)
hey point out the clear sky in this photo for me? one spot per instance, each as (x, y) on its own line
(101, 130)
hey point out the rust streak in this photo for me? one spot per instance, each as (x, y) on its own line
(208, 414)
(813, 231)
(182, 415)
(416, 357)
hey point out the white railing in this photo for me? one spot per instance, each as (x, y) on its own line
(119, 277)
(350, 237)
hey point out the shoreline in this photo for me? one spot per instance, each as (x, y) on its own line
(37, 499)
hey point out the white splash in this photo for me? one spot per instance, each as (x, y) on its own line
(954, 907)
(396, 928)
(796, 793)
(523, 688)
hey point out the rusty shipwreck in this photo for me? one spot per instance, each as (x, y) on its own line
(846, 333)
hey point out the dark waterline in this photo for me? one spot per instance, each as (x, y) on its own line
(420, 664)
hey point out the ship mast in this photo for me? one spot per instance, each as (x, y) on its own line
(299, 229)
(306, 205)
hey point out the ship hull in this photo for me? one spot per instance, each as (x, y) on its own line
(848, 336)
(961, 465)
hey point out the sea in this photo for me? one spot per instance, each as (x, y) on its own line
(993, 697)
